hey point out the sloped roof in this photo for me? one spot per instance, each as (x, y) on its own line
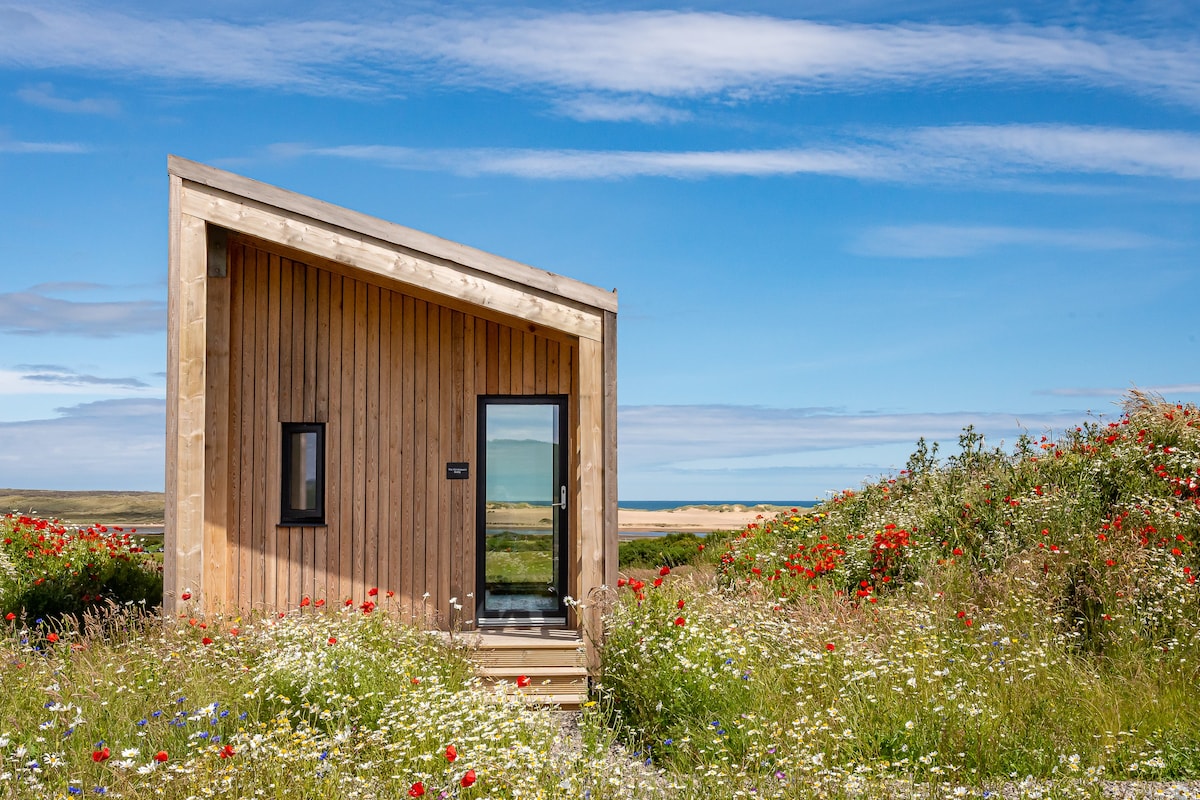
(403, 254)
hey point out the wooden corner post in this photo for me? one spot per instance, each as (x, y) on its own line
(186, 344)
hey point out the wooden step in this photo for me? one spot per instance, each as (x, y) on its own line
(521, 656)
(553, 660)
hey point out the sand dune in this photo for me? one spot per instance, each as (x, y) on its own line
(688, 518)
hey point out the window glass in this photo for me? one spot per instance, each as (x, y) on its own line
(304, 471)
(303, 495)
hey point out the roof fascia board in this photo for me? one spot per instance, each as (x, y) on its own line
(389, 260)
(408, 238)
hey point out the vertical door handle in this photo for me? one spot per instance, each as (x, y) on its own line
(562, 498)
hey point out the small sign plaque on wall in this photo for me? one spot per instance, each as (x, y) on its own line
(457, 470)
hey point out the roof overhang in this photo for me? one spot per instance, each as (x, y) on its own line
(402, 255)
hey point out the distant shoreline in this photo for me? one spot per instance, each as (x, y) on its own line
(146, 509)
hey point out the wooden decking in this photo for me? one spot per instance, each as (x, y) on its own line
(552, 659)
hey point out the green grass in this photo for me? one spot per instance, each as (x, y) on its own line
(1025, 622)
(86, 508)
(974, 622)
(314, 705)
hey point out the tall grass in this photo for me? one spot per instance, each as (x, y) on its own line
(308, 705)
(996, 617)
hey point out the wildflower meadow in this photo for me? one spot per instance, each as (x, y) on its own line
(1023, 623)
(995, 624)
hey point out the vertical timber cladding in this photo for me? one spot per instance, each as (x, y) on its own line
(394, 377)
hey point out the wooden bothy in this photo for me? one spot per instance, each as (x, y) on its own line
(352, 404)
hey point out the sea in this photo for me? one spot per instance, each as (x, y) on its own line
(666, 505)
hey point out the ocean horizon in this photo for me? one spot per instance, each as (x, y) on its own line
(665, 505)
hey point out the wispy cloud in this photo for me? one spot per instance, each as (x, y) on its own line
(607, 109)
(18, 147)
(108, 444)
(707, 435)
(659, 53)
(956, 241)
(43, 95)
(35, 314)
(64, 376)
(1063, 148)
(686, 53)
(948, 154)
(52, 380)
(1169, 390)
(749, 452)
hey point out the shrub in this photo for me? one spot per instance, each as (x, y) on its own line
(974, 620)
(674, 549)
(56, 571)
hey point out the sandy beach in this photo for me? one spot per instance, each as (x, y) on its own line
(688, 518)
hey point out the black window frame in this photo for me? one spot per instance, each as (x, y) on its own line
(289, 515)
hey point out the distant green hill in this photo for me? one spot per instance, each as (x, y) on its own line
(85, 508)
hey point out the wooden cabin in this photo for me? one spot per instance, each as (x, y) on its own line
(352, 404)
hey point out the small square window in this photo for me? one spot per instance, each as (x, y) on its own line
(303, 495)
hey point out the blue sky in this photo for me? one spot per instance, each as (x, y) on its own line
(834, 227)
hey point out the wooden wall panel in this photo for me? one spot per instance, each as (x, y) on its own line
(328, 584)
(408, 342)
(396, 380)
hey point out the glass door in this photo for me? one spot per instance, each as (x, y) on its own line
(522, 515)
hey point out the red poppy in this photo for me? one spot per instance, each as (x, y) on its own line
(372, 592)
(100, 755)
(10, 616)
(226, 751)
(468, 779)
(416, 790)
(333, 640)
(522, 681)
(451, 753)
(160, 756)
(185, 596)
(830, 646)
(680, 603)
(206, 641)
(680, 621)
(304, 603)
(664, 571)
(319, 603)
(53, 637)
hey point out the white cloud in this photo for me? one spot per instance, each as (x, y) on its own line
(949, 154)
(17, 147)
(753, 453)
(954, 241)
(1062, 148)
(109, 444)
(43, 95)
(34, 313)
(735, 436)
(669, 53)
(659, 53)
(1169, 391)
(607, 164)
(51, 380)
(606, 109)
